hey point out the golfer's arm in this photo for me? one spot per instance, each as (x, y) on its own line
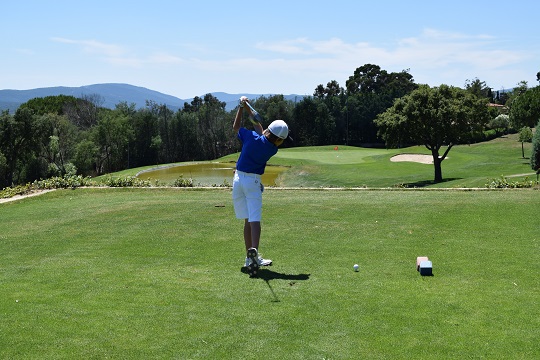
(258, 128)
(238, 120)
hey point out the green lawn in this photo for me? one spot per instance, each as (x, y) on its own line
(155, 274)
(465, 166)
(469, 166)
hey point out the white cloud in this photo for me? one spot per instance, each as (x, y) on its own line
(28, 52)
(433, 56)
(298, 65)
(119, 55)
(94, 47)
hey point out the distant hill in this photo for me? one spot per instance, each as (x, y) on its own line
(112, 94)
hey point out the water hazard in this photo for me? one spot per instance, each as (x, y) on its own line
(207, 174)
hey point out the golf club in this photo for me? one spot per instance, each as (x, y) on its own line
(258, 118)
(254, 112)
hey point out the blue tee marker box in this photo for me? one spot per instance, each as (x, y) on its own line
(426, 268)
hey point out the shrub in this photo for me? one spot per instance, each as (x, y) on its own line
(66, 182)
(181, 182)
(128, 181)
(16, 190)
(504, 183)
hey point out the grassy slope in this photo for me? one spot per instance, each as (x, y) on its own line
(466, 165)
(154, 273)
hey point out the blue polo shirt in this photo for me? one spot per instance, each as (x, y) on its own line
(256, 151)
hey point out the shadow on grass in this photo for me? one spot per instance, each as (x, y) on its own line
(267, 275)
(424, 183)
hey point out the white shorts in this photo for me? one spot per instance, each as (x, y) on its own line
(247, 196)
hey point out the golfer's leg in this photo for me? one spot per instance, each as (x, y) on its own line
(255, 233)
(247, 234)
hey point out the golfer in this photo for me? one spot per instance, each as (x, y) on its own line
(258, 146)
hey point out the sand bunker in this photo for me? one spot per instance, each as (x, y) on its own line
(419, 158)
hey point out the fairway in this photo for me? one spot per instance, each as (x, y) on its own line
(155, 273)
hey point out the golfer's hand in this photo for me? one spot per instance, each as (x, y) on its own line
(243, 100)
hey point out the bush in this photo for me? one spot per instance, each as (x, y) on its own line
(66, 182)
(16, 190)
(504, 183)
(128, 181)
(181, 182)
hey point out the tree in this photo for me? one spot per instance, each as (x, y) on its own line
(434, 117)
(112, 135)
(276, 107)
(86, 153)
(213, 124)
(371, 78)
(57, 136)
(525, 109)
(479, 88)
(500, 124)
(17, 143)
(370, 91)
(50, 104)
(535, 157)
(525, 135)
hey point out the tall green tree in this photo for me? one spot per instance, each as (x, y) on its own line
(18, 143)
(213, 127)
(145, 128)
(479, 88)
(434, 117)
(276, 107)
(335, 99)
(535, 156)
(370, 91)
(525, 135)
(50, 104)
(183, 129)
(304, 113)
(58, 138)
(525, 108)
(112, 135)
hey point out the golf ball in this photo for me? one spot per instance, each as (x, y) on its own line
(355, 267)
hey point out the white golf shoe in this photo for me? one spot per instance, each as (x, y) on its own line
(254, 261)
(260, 261)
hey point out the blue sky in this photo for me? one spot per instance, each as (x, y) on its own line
(190, 48)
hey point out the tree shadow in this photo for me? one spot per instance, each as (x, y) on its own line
(424, 183)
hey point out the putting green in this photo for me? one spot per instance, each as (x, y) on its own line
(334, 154)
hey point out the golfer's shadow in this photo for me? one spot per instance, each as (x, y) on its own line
(267, 275)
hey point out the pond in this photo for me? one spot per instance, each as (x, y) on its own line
(206, 174)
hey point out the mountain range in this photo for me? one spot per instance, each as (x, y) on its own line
(113, 93)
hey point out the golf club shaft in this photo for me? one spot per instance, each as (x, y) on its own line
(254, 113)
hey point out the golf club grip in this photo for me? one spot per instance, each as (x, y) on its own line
(254, 112)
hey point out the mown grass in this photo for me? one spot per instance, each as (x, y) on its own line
(155, 273)
(467, 166)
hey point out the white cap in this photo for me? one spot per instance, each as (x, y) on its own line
(279, 128)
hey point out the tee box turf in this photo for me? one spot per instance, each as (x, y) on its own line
(426, 268)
